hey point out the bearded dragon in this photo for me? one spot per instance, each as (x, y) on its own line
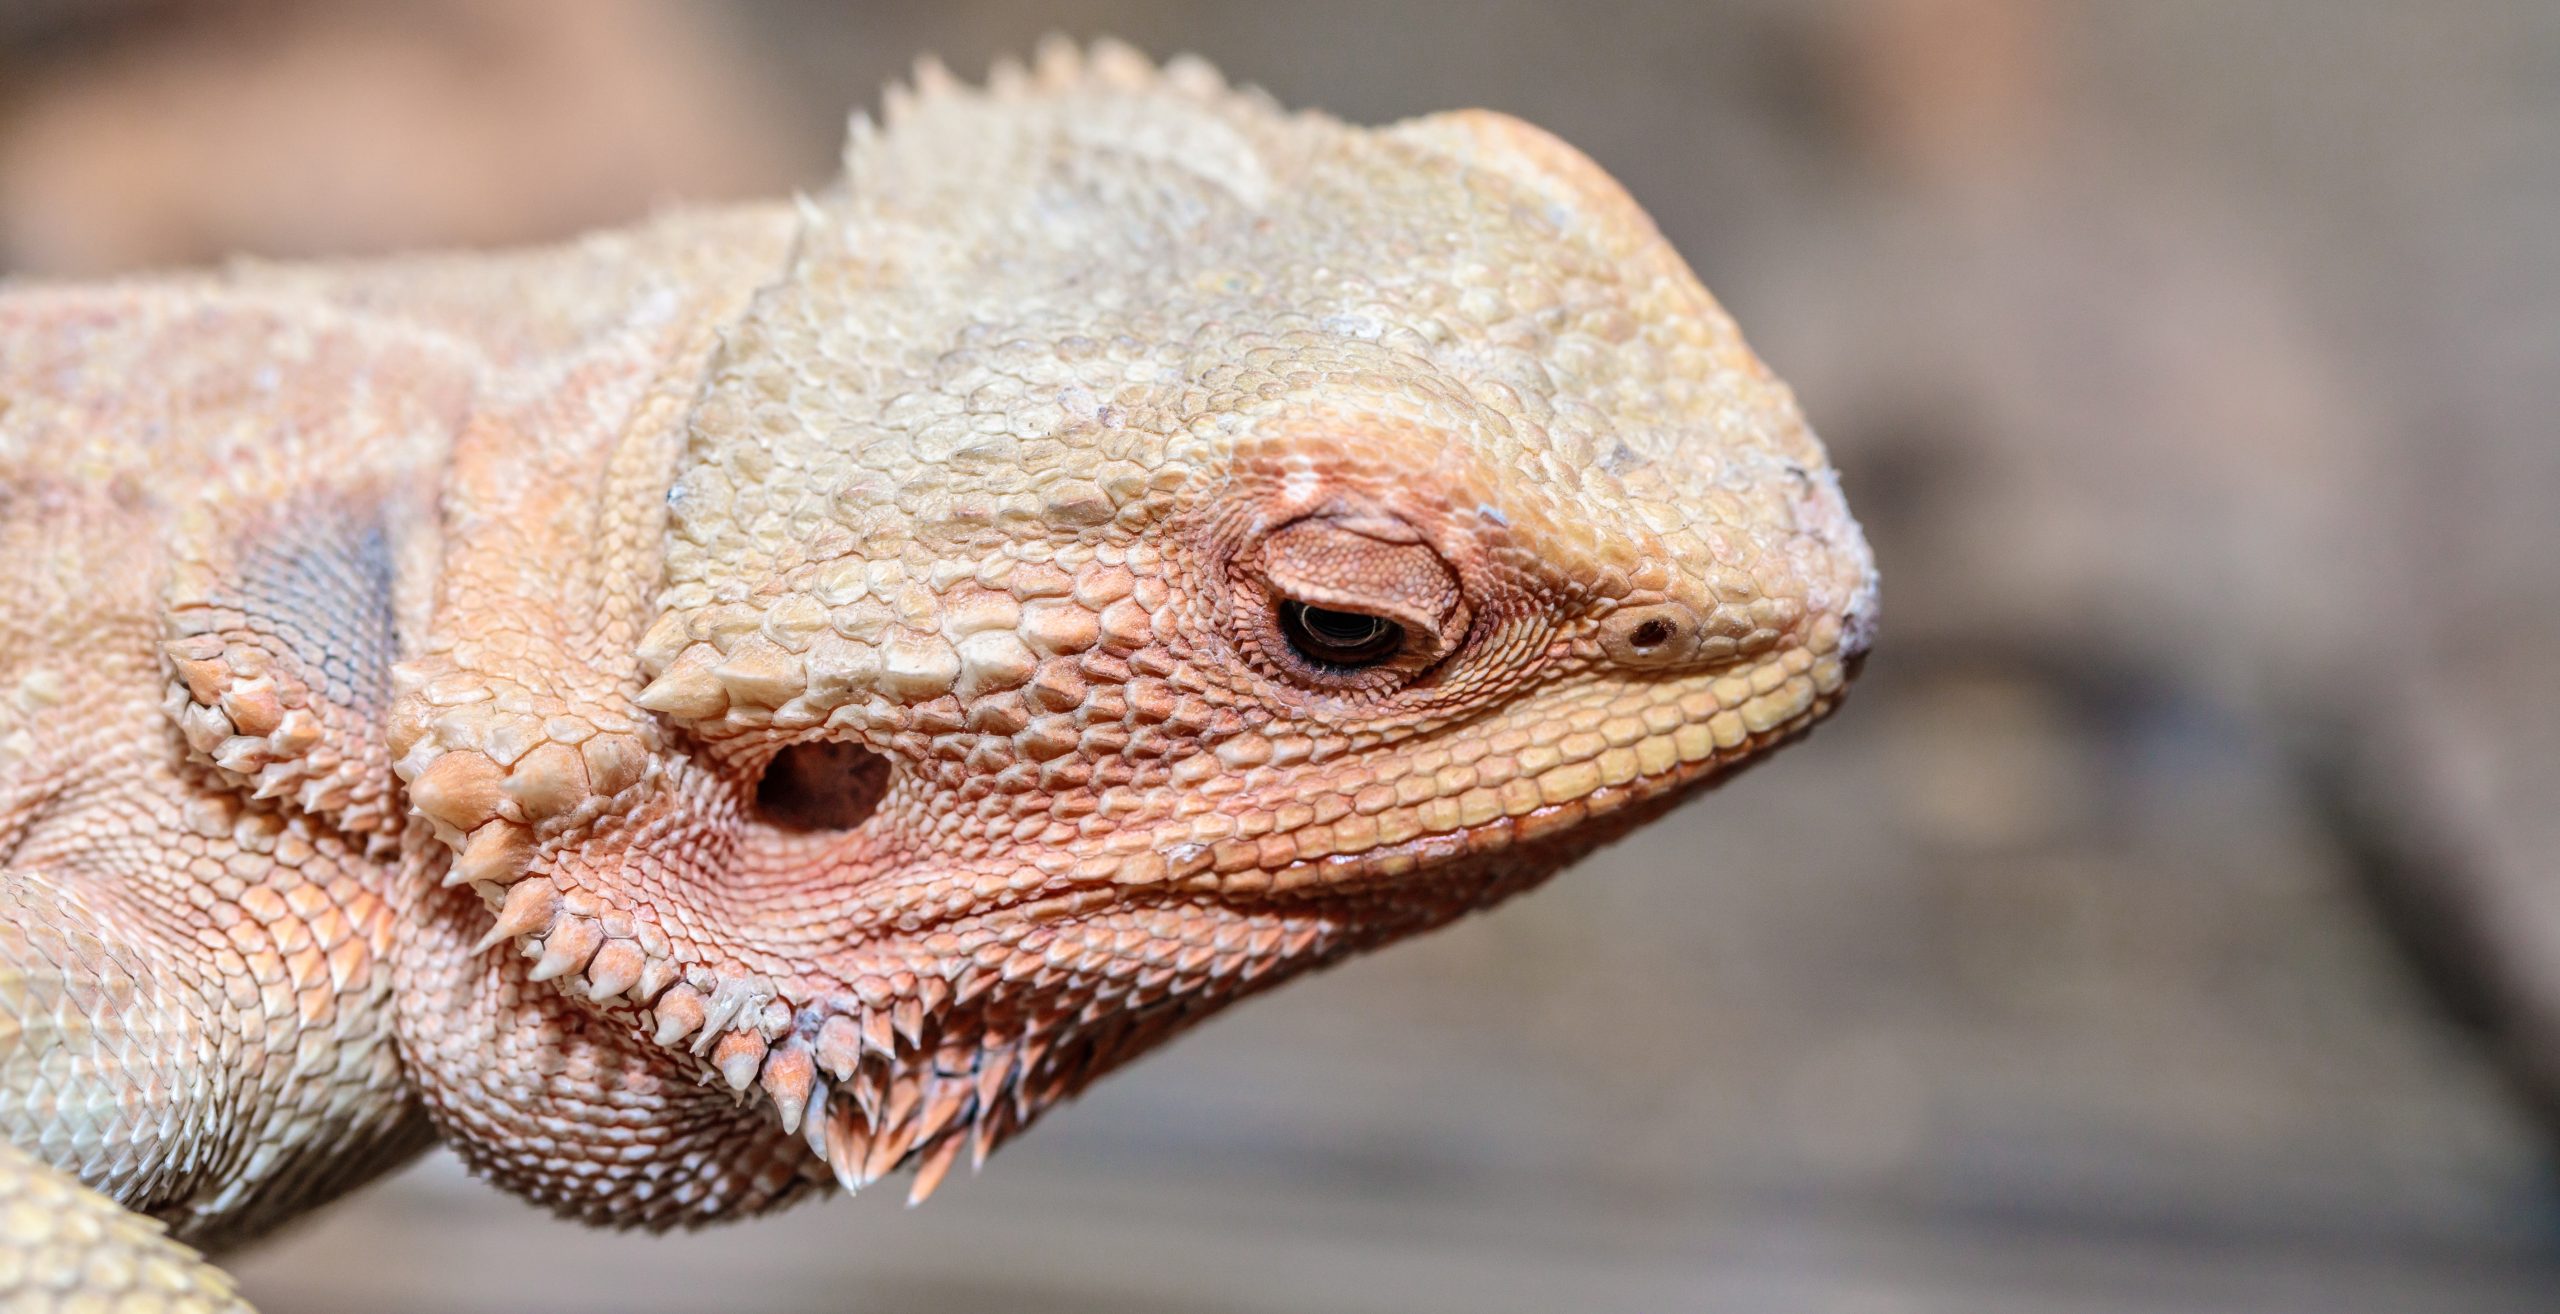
(785, 694)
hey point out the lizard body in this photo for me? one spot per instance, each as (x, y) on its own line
(780, 695)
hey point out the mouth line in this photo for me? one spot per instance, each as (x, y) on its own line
(1232, 870)
(1521, 791)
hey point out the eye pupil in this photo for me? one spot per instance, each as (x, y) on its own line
(1331, 637)
(1347, 628)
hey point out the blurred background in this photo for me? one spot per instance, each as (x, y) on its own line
(2168, 924)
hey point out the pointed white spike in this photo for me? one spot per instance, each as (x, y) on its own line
(680, 1013)
(840, 1046)
(983, 1136)
(571, 942)
(1057, 62)
(656, 974)
(273, 781)
(1119, 65)
(866, 1095)
(789, 1075)
(1194, 76)
(204, 727)
(738, 1055)
(529, 907)
(887, 1148)
(813, 1117)
(614, 970)
(933, 78)
(904, 1095)
(239, 755)
(1007, 78)
(897, 104)
(951, 1099)
(995, 1068)
(498, 852)
(687, 691)
(933, 1167)
(847, 1140)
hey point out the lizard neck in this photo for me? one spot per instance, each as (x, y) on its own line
(553, 512)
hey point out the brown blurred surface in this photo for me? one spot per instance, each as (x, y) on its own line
(2192, 367)
(185, 132)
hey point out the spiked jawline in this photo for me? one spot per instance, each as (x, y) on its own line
(875, 1076)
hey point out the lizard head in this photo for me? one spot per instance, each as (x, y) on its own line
(1146, 544)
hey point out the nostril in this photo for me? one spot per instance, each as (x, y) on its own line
(1858, 627)
(818, 787)
(1657, 634)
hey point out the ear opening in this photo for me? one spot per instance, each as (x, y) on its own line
(814, 787)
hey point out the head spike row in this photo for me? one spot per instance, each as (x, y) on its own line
(259, 725)
(1059, 66)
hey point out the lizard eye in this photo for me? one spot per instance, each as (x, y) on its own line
(1351, 605)
(1331, 637)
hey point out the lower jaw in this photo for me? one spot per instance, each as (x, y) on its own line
(954, 1033)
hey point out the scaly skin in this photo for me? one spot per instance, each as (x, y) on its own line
(778, 696)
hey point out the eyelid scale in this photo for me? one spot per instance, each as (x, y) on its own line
(1353, 568)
